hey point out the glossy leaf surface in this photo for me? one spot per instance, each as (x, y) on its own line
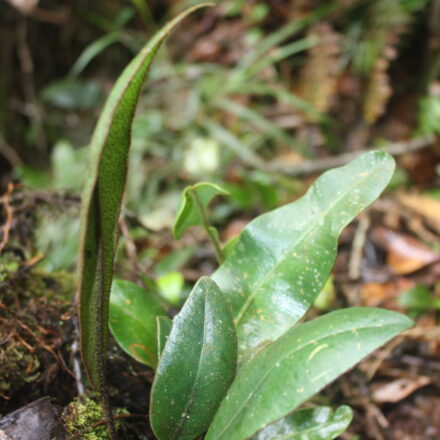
(132, 321)
(101, 204)
(195, 200)
(283, 258)
(196, 367)
(299, 364)
(320, 423)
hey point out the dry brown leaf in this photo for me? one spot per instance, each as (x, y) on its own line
(405, 254)
(425, 206)
(380, 294)
(399, 389)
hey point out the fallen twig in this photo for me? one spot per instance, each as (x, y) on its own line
(9, 216)
(360, 236)
(319, 165)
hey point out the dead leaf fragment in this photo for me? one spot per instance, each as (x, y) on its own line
(399, 389)
(405, 254)
(383, 294)
(427, 207)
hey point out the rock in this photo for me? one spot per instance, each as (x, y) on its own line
(39, 420)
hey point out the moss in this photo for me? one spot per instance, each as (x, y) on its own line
(82, 413)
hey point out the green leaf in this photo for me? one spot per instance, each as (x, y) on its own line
(196, 367)
(164, 325)
(132, 321)
(299, 364)
(320, 423)
(170, 287)
(72, 95)
(91, 51)
(283, 258)
(195, 200)
(101, 204)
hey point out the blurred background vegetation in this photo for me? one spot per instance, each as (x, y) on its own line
(243, 95)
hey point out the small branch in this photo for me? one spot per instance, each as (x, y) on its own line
(210, 230)
(317, 166)
(108, 412)
(9, 216)
(360, 236)
(76, 359)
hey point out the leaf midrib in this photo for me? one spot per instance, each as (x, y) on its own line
(182, 423)
(271, 368)
(302, 237)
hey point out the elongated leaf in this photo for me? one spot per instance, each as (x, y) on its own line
(132, 321)
(297, 365)
(196, 367)
(164, 325)
(195, 200)
(101, 203)
(320, 423)
(283, 258)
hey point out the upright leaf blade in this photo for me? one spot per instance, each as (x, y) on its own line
(102, 198)
(320, 423)
(196, 367)
(297, 365)
(132, 321)
(283, 258)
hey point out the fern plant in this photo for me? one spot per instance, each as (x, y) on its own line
(235, 363)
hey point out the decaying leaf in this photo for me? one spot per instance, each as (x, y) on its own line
(405, 254)
(425, 206)
(399, 389)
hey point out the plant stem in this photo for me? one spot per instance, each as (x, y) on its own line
(210, 230)
(105, 399)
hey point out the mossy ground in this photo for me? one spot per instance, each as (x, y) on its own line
(82, 413)
(36, 333)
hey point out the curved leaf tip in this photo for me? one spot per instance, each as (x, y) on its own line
(283, 258)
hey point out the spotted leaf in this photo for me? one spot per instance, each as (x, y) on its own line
(282, 259)
(296, 366)
(320, 423)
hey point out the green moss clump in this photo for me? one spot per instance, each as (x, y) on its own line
(82, 413)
